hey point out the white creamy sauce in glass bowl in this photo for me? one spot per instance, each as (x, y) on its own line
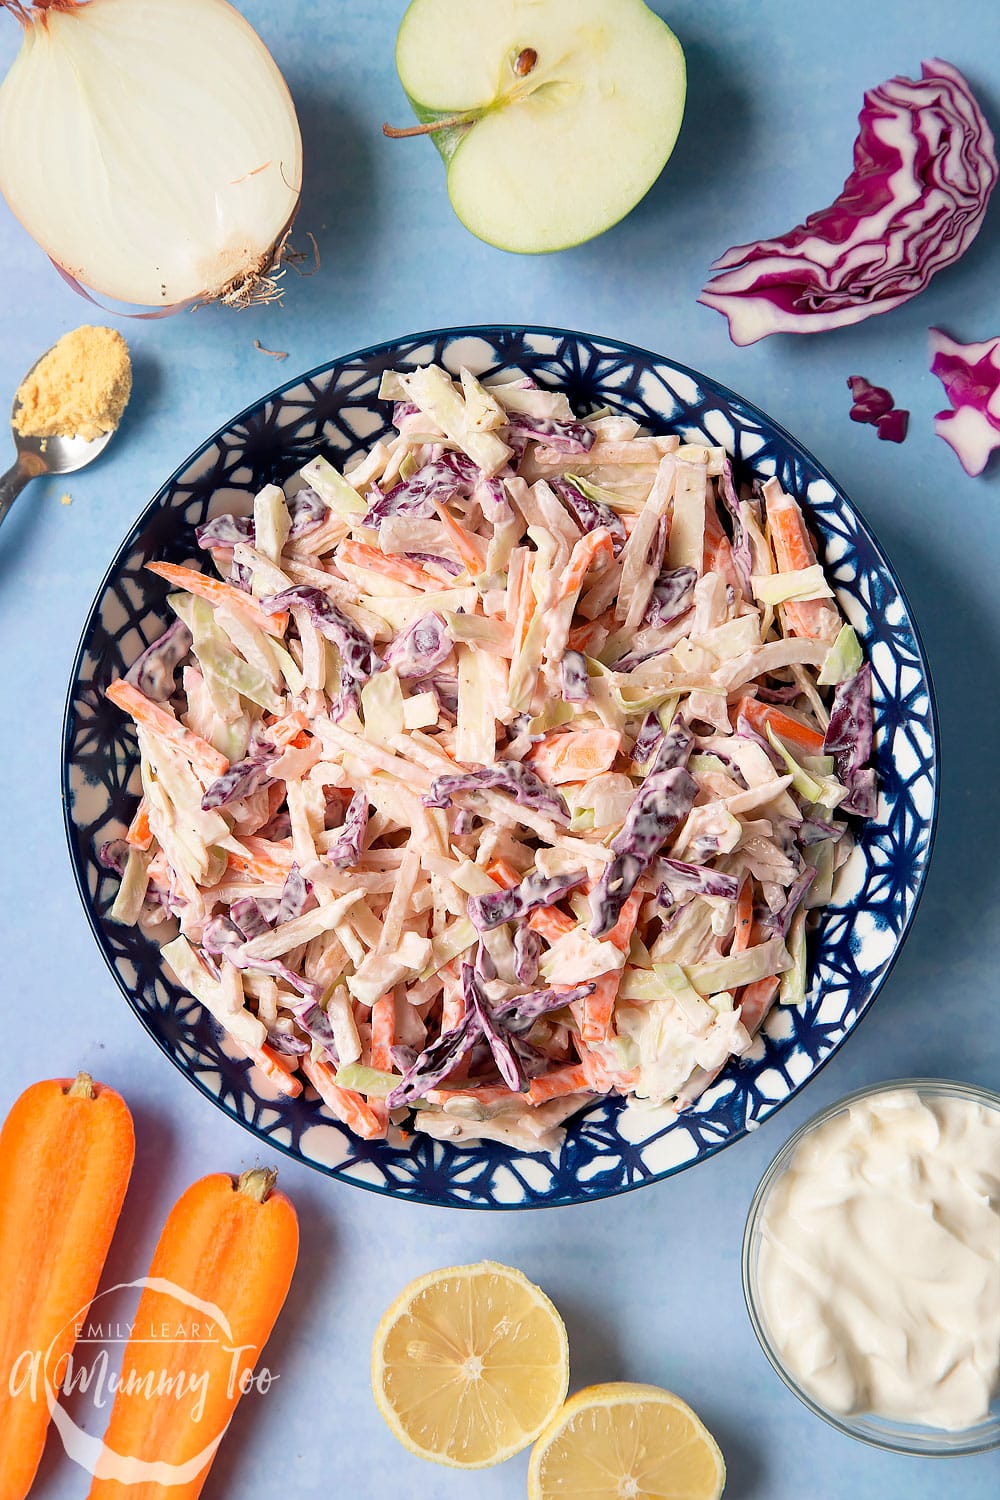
(879, 1262)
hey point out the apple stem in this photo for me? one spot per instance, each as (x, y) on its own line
(395, 133)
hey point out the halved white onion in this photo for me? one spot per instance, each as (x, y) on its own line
(151, 148)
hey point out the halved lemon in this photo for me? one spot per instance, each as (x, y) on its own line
(469, 1364)
(626, 1442)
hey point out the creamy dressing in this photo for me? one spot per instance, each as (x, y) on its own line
(879, 1263)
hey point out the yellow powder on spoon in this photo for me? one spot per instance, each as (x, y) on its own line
(79, 389)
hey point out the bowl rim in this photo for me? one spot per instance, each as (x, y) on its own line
(452, 333)
(845, 1422)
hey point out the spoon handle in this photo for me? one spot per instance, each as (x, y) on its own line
(11, 485)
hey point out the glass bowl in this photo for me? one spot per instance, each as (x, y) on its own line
(878, 1432)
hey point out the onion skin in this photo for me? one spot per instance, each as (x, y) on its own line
(924, 169)
(181, 193)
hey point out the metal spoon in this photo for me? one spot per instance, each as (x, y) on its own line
(51, 455)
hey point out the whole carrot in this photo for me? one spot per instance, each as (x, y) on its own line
(66, 1153)
(218, 1279)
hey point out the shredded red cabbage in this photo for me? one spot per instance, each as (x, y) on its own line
(534, 891)
(924, 169)
(567, 437)
(154, 672)
(507, 1063)
(589, 514)
(874, 405)
(420, 648)
(347, 850)
(849, 739)
(575, 678)
(509, 776)
(970, 374)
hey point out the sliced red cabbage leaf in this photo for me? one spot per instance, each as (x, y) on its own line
(241, 780)
(420, 648)
(665, 797)
(589, 514)
(849, 739)
(520, 1012)
(649, 736)
(575, 678)
(924, 169)
(445, 563)
(433, 1065)
(507, 1063)
(439, 480)
(970, 374)
(154, 672)
(222, 938)
(307, 510)
(509, 776)
(527, 953)
(679, 876)
(225, 531)
(358, 658)
(567, 437)
(347, 850)
(534, 891)
(672, 596)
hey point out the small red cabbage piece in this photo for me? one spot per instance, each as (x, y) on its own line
(566, 437)
(870, 401)
(589, 514)
(520, 1012)
(664, 799)
(924, 169)
(307, 510)
(509, 776)
(527, 953)
(892, 428)
(507, 1063)
(679, 876)
(347, 850)
(575, 678)
(154, 672)
(225, 531)
(242, 780)
(672, 596)
(491, 910)
(849, 739)
(439, 480)
(433, 1065)
(873, 405)
(970, 374)
(420, 648)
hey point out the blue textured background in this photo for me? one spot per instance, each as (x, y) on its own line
(649, 1284)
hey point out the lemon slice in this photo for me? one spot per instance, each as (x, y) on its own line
(626, 1442)
(469, 1364)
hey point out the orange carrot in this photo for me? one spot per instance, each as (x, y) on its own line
(286, 731)
(349, 1107)
(562, 756)
(551, 923)
(66, 1153)
(598, 1009)
(140, 835)
(755, 1002)
(562, 1081)
(758, 715)
(383, 1037)
(794, 551)
(718, 555)
(217, 592)
(231, 1244)
(464, 543)
(581, 635)
(266, 860)
(744, 917)
(400, 569)
(524, 605)
(276, 1068)
(503, 873)
(159, 720)
(583, 557)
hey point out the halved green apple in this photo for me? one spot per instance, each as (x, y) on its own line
(554, 117)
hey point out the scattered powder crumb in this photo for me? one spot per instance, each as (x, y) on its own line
(79, 389)
(274, 353)
(66, 499)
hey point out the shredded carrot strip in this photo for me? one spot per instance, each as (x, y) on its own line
(570, 1080)
(744, 917)
(140, 835)
(349, 1107)
(755, 1002)
(400, 569)
(277, 1069)
(550, 923)
(758, 715)
(217, 592)
(159, 720)
(463, 542)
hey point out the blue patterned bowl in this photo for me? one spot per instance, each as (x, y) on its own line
(607, 1149)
